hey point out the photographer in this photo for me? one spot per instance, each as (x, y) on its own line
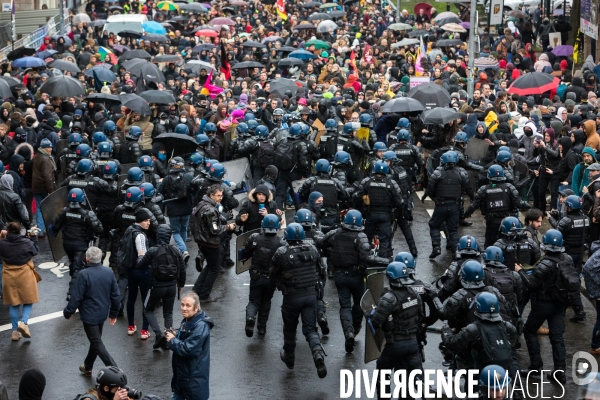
(111, 385)
(191, 351)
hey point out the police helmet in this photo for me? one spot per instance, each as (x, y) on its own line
(134, 194)
(504, 148)
(295, 130)
(496, 173)
(504, 156)
(322, 165)
(135, 174)
(398, 274)
(145, 163)
(252, 125)
(210, 127)
(406, 258)
(99, 137)
(380, 167)
(403, 134)
(573, 202)
(449, 157)
(305, 129)
(488, 307)
(84, 166)
(278, 112)
(196, 159)
(217, 171)
(83, 150)
(552, 241)
(493, 377)
(467, 245)
(379, 146)
(182, 129)
(342, 157)
(365, 119)
(493, 255)
(104, 148)
(304, 217)
(461, 137)
(330, 125)
(176, 162)
(348, 128)
(509, 225)
(262, 131)
(74, 139)
(271, 223)
(294, 231)
(135, 131)
(249, 117)
(147, 188)
(403, 123)
(110, 170)
(242, 127)
(472, 275)
(109, 127)
(76, 195)
(389, 156)
(353, 220)
(208, 163)
(202, 139)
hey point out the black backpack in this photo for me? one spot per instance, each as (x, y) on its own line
(266, 153)
(495, 346)
(165, 266)
(566, 287)
(126, 253)
(286, 155)
(501, 279)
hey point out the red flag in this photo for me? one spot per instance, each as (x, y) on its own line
(353, 63)
(225, 66)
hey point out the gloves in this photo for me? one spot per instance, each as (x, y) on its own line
(51, 230)
(366, 200)
(446, 333)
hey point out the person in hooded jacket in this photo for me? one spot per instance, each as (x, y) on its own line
(593, 140)
(569, 160)
(576, 87)
(549, 156)
(16, 170)
(471, 126)
(578, 138)
(159, 159)
(482, 133)
(251, 213)
(580, 175)
(11, 206)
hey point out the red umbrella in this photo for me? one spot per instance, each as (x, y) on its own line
(426, 7)
(533, 83)
(207, 33)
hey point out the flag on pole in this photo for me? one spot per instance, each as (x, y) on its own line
(225, 66)
(281, 10)
(420, 53)
(353, 63)
(212, 90)
(576, 49)
(12, 18)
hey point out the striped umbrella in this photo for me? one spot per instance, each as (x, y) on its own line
(103, 51)
(486, 62)
(167, 6)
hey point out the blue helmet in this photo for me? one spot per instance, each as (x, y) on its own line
(488, 307)
(342, 157)
(552, 241)
(134, 194)
(472, 275)
(467, 245)
(217, 171)
(294, 231)
(145, 163)
(84, 166)
(135, 174)
(262, 131)
(104, 148)
(182, 129)
(403, 123)
(403, 134)
(406, 258)
(76, 195)
(493, 255)
(210, 127)
(135, 131)
(252, 125)
(348, 128)
(494, 377)
(304, 217)
(509, 224)
(330, 125)
(503, 148)
(496, 173)
(398, 274)
(196, 159)
(110, 169)
(208, 163)
(449, 157)
(74, 139)
(147, 188)
(271, 223)
(353, 220)
(573, 202)
(389, 156)
(202, 139)
(305, 129)
(99, 137)
(322, 165)
(461, 137)
(381, 167)
(83, 150)
(110, 127)
(249, 117)
(242, 127)
(365, 119)
(379, 146)
(295, 130)
(504, 156)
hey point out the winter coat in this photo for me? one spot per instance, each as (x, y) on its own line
(542, 63)
(591, 273)
(569, 160)
(471, 125)
(593, 140)
(19, 285)
(579, 143)
(163, 237)
(207, 227)
(250, 207)
(191, 358)
(577, 88)
(147, 127)
(43, 173)
(26, 151)
(12, 208)
(580, 176)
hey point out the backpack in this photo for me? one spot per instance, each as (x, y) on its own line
(501, 279)
(125, 254)
(495, 346)
(565, 289)
(560, 91)
(286, 155)
(165, 266)
(266, 153)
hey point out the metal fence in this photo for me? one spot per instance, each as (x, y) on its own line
(5, 33)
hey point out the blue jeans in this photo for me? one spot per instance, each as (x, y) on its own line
(177, 397)
(14, 314)
(179, 227)
(38, 211)
(596, 334)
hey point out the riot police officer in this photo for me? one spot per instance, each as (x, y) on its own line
(340, 167)
(152, 201)
(408, 155)
(82, 152)
(135, 177)
(348, 142)
(261, 247)
(68, 156)
(392, 138)
(78, 226)
(350, 255)
(496, 200)
(147, 166)
(237, 147)
(294, 269)
(380, 195)
(130, 150)
(194, 164)
(262, 152)
(328, 146)
(379, 149)
(467, 249)
(446, 186)
(293, 161)
(214, 147)
(515, 244)
(103, 154)
(106, 204)
(366, 122)
(110, 130)
(93, 186)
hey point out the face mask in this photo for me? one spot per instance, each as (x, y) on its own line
(183, 120)
(318, 206)
(528, 132)
(162, 156)
(35, 125)
(163, 122)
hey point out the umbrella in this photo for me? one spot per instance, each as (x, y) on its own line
(113, 8)
(287, 49)
(167, 58)
(319, 44)
(154, 37)
(133, 54)
(399, 26)
(204, 46)
(136, 104)
(228, 10)
(433, 53)
(247, 64)
(238, 3)
(337, 13)
(103, 51)
(101, 97)
(271, 39)
(402, 104)
(97, 22)
(120, 48)
(290, 62)
(65, 66)
(280, 85)
(418, 32)
(486, 62)
(302, 54)
(451, 20)
(20, 52)
(29, 62)
(564, 50)
(448, 42)
(346, 2)
(251, 43)
(304, 26)
(445, 14)
(13, 83)
(326, 26)
(158, 97)
(405, 42)
(430, 95)
(176, 143)
(46, 53)
(67, 39)
(328, 5)
(453, 28)
(63, 85)
(221, 21)
(130, 34)
(439, 116)
(81, 17)
(194, 8)
(167, 6)
(466, 25)
(311, 4)
(424, 6)
(102, 74)
(318, 16)
(154, 27)
(5, 91)
(207, 33)
(196, 65)
(144, 69)
(518, 14)
(533, 83)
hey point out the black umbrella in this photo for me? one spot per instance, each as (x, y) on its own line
(439, 116)
(419, 32)
(228, 10)
(63, 86)
(290, 62)
(304, 26)
(101, 97)
(286, 49)
(176, 144)
(103, 74)
(158, 97)
(251, 43)
(247, 64)
(337, 14)
(318, 16)
(449, 20)
(448, 42)
(167, 58)
(155, 37)
(130, 34)
(193, 8)
(134, 54)
(64, 65)
(280, 85)
(144, 69)
(13, 83)
(113, 8)
(402, 104)
(311, 4)
(205, 46)
(5, 91)
(20, 52)
(135, 103)
(430, 95)
(346, 2)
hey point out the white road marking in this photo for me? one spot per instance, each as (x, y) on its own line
(61, 269)
(430, 212)
(35, 320)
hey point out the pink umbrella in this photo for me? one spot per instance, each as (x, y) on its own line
(221, 21)
(466, 25)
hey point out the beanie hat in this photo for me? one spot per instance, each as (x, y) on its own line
(271, 171)
(365, 105)
(46, 144)
(142, 214)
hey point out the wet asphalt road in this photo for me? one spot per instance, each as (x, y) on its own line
(241, 367)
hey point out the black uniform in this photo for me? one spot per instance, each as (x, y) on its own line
(408, 158)
(130, 151)
(510, 284)
(404, 214)
(93, 187)
(297, 158)
(457, 308)
(332, 191)
(574, 227)
(451, 278)
(105, 207)
(328, 145)
(518, 247)
(356, 150)
(262, 152)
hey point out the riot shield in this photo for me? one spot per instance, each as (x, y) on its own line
(521, 169)
(476, 149)
(62, 174)
(281, 134)
(237, 171)
(126, 167)
(60, 146)
(51, 206)
(374, 343)
(242, 266)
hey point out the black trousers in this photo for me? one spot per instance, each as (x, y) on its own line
(167, 295)
(380, 224)
(544, 181)
(208, 276)
(541, 311)
(350, 288)
(97, 348)
(492, 225)
(444, 213)
(284, 181)
(261, 292)
(76, 254)
(306, 309)
(105, 218)
(402, 355)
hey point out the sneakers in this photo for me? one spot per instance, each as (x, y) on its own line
(287, 358)
(85, 372)
(24, 329)
(15, 336)
(250, 326)
(319, 358)
(208, 300)
(435, 252)
(349, 342)
(131, 330)
(159, 341)
(543, 330)
(186, 256)
(144, 334)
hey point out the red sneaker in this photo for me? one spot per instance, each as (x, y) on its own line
(131, 330)
(144, 334)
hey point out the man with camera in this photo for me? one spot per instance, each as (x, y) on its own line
(111, 385)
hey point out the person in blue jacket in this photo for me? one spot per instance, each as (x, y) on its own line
(191, 351)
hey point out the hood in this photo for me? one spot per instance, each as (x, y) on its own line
(163, 234)
(485, 132)
(253, 199)
(543, 57)
(566, 144)
(580, 138)
(25, 150)
(577, 81)
(6, 182)
(15, 161)
(504, 127)
(589, 127)
(589, 151)
(312, 198)
(491, 121)
(202, 317)
(523, 121)
(533, 128)
(559, 114)
(472, 119)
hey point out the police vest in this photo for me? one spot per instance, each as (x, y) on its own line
(497, 198)
(405, 156)
(328, 147)
(344, 254)
(575, 237)
(449, 185)
(265, 246)
(516, 251)
(402, 179)
(329, 191)
(108, 203)
(380, 193)
(299, 271)
(405, 316)
(127, 218)
(501, 278)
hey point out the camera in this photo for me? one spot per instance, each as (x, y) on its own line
(133, 393)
